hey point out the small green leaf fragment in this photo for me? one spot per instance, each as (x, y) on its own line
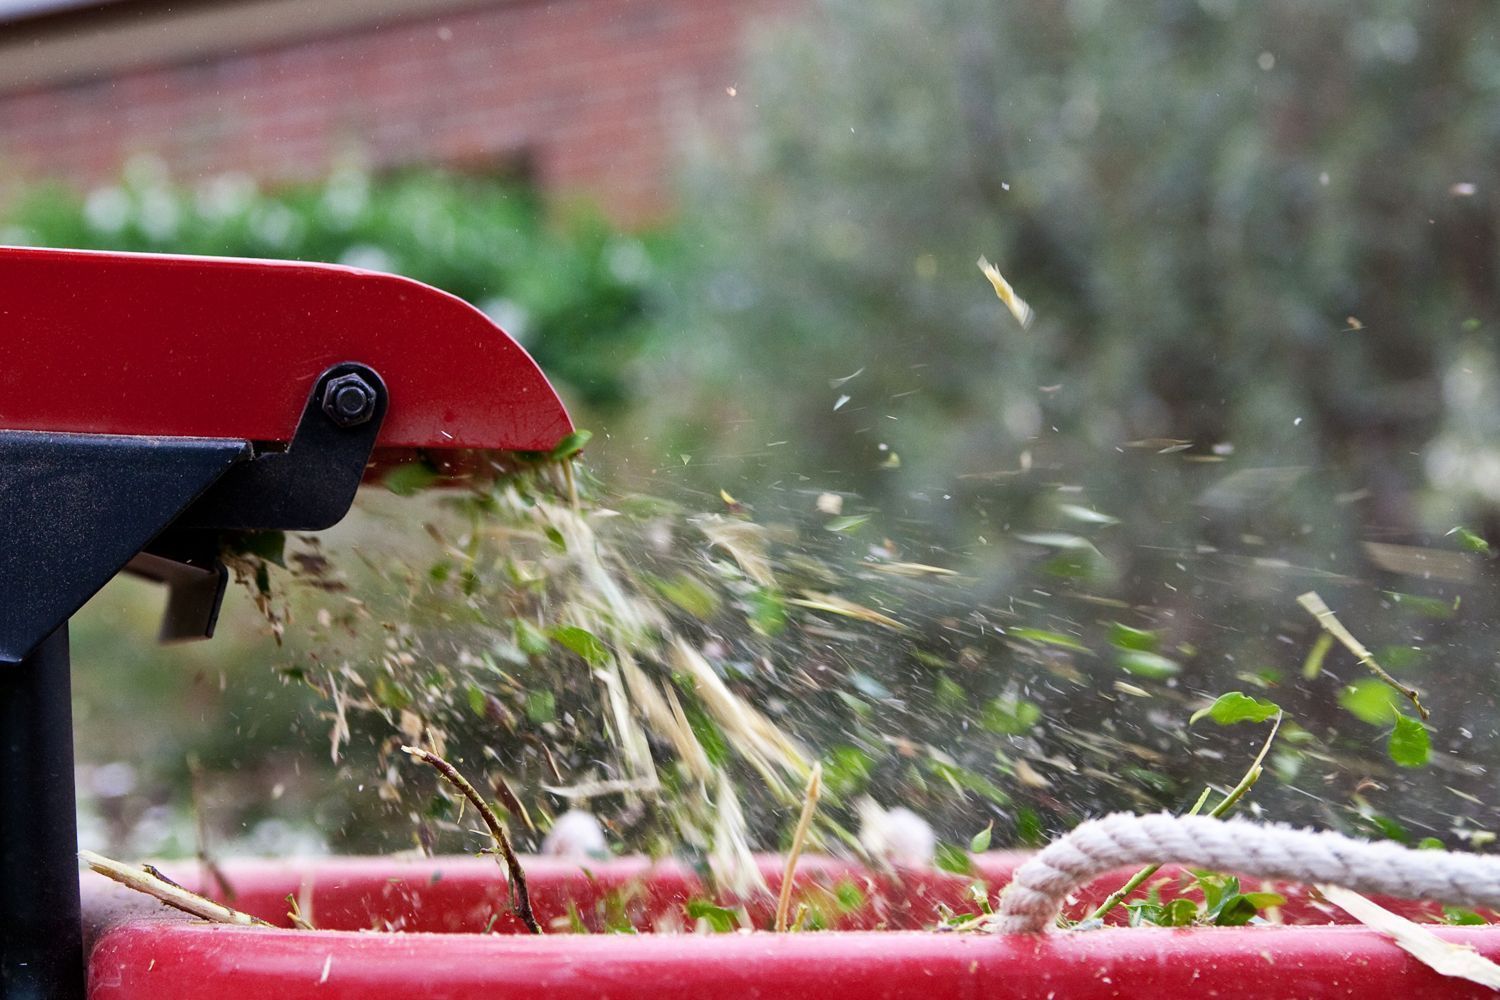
(848, 523)
(720, 919)
(707, 733)
(1371, 700)
(1409, 745)
(1471, 541)
(1236, 706)
(954, 859)
(541, 707)
(1313, 665)
(1459, 917)
(1010, 716)
(689, 594)
(949, 695)
(571, 445)
(1029, 827)
(390, 694)
(1179, 913)
(1047, 638)
(767, 613)
(1138, 639)
(963, 780)
(582, 642)
(846, 771)
(1152, 666)
(849, 896)
(981, 840)
(531, 640)
(1426, 607)
(410, 479)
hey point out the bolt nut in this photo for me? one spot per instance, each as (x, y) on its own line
(349, 400)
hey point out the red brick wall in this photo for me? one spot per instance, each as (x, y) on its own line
(594, 96)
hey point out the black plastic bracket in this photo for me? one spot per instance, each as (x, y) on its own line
(310, 485)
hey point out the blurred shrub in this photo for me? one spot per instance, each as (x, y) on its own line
(1266, 226)
(573, 290)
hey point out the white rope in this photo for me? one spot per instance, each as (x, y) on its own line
(1033, 900)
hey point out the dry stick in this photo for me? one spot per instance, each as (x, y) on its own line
(809, 806)
(1236, 793)
(294, 914)
(497, 831)
(1315, 606)
(153, 883)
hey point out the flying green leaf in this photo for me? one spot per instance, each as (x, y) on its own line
(1139, 639)
(1313, 665)
(582, 642)
(531, 640)
(848, 523)
(1152, 666)
(541, 706)
(981, 841)
(1371, 700)
(1472, 541)
(410, 478)
(1010, 716)
(1236, 706)
(1047, 638)
(1409, 745)
(1426, 607)
(766, 612)
(571, 445)
(689, 594)
(720, 919)
(846, 771)
(952, 858)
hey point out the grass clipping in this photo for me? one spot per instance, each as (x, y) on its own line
(591, 640)
(1460, 961)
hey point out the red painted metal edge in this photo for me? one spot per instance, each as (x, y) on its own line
(142, 344)
(468, 895)
(147, 957)
(179, 961)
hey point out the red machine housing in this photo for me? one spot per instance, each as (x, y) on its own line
(206, 347)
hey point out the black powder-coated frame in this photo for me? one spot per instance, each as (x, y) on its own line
(76, 509)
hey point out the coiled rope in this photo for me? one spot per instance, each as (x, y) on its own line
(1034, 899)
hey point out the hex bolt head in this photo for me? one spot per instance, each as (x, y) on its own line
(349, 400)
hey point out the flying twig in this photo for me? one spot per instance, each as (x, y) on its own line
(497, 831)
(1325, 616)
